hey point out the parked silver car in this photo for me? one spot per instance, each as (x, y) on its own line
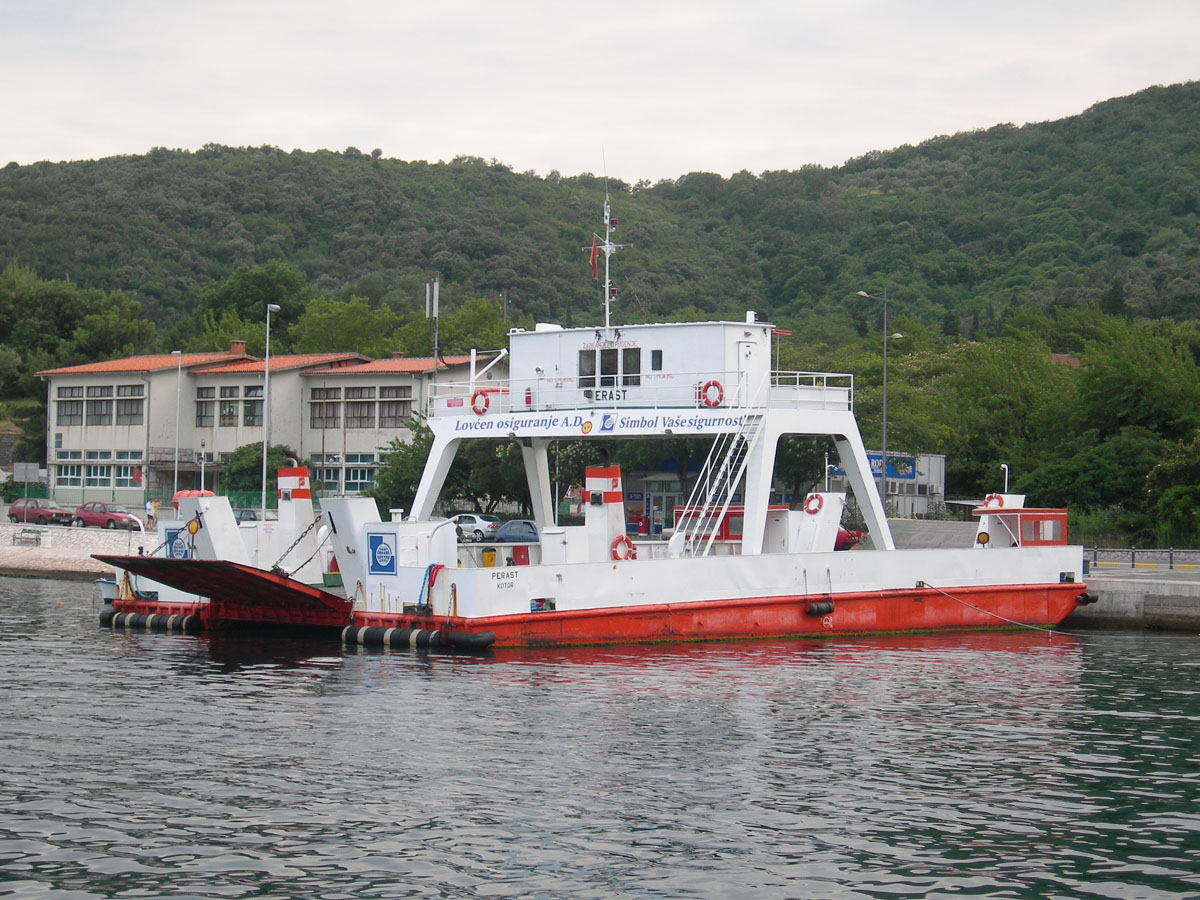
(477, 526)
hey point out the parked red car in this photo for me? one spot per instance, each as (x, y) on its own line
(42, 511)
(106, 515)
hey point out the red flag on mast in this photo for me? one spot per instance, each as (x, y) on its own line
(592, 257)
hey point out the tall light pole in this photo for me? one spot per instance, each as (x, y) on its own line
(271, 307)
(883, 468)
(202, 464)
(178, 354)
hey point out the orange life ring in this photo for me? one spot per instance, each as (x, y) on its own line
(987, 501)
(813, 504)
(479, 402)
(622, 548)
(709, 401)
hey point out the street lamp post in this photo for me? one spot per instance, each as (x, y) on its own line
(201, 464)
(271, 307)
(178, 354)
(883, 467)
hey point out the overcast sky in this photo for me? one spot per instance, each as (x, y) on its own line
(637, 89)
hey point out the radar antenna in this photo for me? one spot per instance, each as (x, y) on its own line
(604, 244)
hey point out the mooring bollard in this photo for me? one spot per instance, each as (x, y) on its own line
(1133, 557)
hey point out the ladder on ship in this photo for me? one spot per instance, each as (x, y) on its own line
(715, 485)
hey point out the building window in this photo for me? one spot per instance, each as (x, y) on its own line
(65, 393)
(204, 413)
(229, 412)
(358, 476)
(205, 393)
(395, 405)
(360, 393)
(323, 413)
(99, 412)
(96, 475)
(69, 454)
(330, 477)
(100, 391)
(252, 413)
(69, 476)
(360, 414)
(227, 392)
(125, 477)
(252, 390)
(130, 390)
(631, 366)
(70, 412)
(129, 412)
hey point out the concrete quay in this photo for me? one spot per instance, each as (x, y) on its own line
(61, 551)
(1159, 598)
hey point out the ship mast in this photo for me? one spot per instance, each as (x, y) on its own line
(608, 248)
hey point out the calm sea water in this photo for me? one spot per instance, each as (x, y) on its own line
(997, 765)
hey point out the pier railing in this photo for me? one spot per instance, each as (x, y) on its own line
(1135, 558)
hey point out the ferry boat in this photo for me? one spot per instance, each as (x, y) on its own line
(410, 582)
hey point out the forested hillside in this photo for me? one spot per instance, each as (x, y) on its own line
(1101, 207)
(996, 248)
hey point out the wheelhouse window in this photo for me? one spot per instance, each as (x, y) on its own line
(608, 367)
(656, 360)
(631, 366)
(587, 368)
(616, 366)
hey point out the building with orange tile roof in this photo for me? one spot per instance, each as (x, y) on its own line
(128, 428)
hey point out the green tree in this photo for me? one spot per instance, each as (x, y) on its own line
(247, 292)
(113, 327)
(333, 325)
(241, 470)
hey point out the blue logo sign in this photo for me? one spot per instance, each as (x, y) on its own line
(177, 545)
(608, 423)
(381, 554)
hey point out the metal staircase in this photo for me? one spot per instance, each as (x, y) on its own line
(715, 486)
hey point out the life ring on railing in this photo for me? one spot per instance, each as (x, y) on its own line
(623, 549)
(999, 498)
(813, 504)
(708, 399)
(479, 402)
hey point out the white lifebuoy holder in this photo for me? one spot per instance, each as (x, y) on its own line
(813, 504)
(623, 549)
(705, 393)
(479, 402)
(988, 500)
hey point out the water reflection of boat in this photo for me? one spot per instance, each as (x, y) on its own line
(411, 583)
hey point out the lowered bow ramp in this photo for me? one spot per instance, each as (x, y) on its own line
(240, 593)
